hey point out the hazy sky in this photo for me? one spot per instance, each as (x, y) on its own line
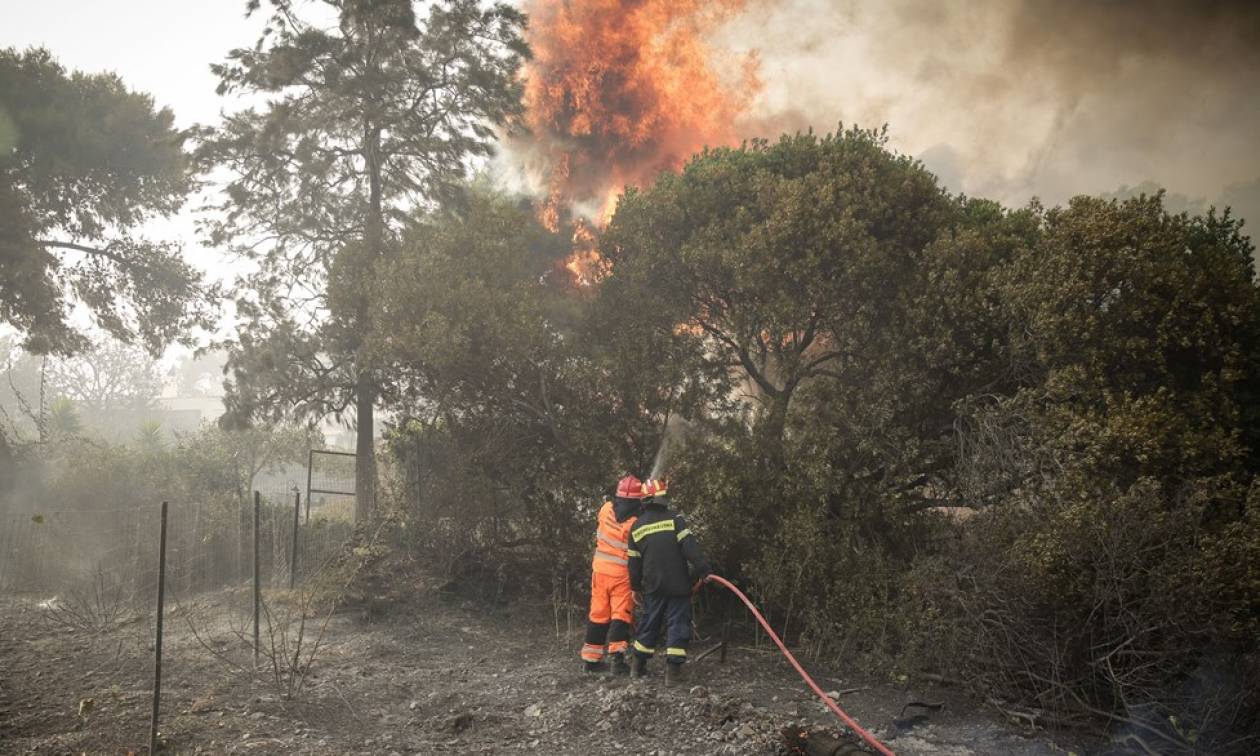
(1002, 98)
(164, 47)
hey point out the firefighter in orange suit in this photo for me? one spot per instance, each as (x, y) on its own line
(612, 602)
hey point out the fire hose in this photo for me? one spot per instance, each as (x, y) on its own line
(848, 721)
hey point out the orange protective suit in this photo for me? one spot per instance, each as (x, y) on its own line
(612, 601)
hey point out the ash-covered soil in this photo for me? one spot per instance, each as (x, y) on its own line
(436, 676)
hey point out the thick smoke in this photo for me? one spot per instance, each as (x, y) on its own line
(1015, 99)
(1003, 98)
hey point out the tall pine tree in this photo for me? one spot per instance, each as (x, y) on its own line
(369, 111)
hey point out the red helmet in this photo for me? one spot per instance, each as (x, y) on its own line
(630, 487)
(655, 488)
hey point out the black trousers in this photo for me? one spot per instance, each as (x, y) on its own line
(672, 612)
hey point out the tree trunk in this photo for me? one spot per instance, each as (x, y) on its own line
(365, 386)
(364, 449)
(773, 425)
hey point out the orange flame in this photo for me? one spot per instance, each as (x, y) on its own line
(620, 90)
(585, 264)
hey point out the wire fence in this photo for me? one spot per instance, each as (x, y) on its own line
(97, 571)
(109, 557)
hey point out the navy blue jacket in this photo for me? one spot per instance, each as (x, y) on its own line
(661, 547)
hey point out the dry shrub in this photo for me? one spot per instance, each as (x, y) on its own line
(95, 607)
(1122, 608)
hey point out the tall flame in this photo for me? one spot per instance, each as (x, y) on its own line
(620, 90)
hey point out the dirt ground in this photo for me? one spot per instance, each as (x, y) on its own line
(440, 676)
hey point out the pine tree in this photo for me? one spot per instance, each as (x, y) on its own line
(364, 119)
(84, 163)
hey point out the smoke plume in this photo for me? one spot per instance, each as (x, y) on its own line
(619, 91)
(1014, 99)
(1000, 98)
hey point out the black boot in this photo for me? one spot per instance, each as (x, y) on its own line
(674, 674)
(619, 666)
(639, 666)
(595, 667)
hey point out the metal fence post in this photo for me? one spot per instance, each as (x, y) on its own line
(310, 467)
(257, 579)
(293, 555)
(157, 646)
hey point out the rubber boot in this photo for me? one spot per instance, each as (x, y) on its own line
(638, 666)
(674, 674)
(594, 667)
(619, 665)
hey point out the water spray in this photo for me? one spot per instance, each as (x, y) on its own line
(675, 430)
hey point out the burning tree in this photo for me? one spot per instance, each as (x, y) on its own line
(780, 257)
(618, 92)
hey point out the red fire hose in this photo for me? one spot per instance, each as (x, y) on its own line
(869, 738)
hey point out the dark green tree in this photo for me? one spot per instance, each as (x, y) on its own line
(1134, 333)
(519, 397)
(490, 388)
(84, 163)
(365, 121)
(784, 257)
(1123, 439)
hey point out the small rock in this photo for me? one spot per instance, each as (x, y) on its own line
(533, 710)
(202, 706)
(413, 705)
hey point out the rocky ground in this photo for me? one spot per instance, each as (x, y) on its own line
(441, 676)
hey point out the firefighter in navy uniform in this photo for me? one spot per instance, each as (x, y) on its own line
(612, 602)
(661, 547)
